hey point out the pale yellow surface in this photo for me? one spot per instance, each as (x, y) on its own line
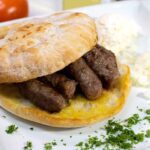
(68, 4)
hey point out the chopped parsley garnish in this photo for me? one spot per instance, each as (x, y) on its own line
(28, 145)
(49, 145)
(147, 133)
(4, 116)
(147, 118)
(133, 120)
(31, 128)
(90, 144)
(148, 111)
(79, 144)
(113, 127)
(140, 109)
(64, 144)
(94, 141)
(54, 143)
(119, 135)
(11, 129)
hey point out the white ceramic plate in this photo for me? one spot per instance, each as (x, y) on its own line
(137, 10)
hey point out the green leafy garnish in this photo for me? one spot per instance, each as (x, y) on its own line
(119, 135)
(148, 111)
(147, 118)
(90, 144)
(133, 120)
(54, 143)
(113, 127)
(31, 128)
(28, 145)
(61, 140)
(79, 144)
(11, 129)
(140, 109)
(147, 133)
(49, 145)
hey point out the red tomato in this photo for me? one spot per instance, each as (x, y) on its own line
(13, 9)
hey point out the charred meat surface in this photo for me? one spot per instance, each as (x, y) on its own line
(89, 83)
(103, 63)
(42, 95)
(62, 83)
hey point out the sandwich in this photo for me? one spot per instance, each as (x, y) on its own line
(53, 72)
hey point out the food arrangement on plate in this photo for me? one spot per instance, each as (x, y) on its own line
(57, 65)
(68, 70)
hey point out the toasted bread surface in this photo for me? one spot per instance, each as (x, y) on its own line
(81, 112)
(40, 47)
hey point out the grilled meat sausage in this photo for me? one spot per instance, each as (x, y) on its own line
(97, 65)
(62, 83)
(103, 63)
(88, 81)
(43, 96)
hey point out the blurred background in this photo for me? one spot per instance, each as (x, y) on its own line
(14, 9)
(57, 5)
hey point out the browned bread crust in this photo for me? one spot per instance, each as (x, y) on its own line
(37, 48)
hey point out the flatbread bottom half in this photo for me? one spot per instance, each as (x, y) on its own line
(81, 112)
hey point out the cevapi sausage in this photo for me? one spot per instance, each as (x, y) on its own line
(88, 81)
(62, 83)
(42, 95)
(103, 63)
